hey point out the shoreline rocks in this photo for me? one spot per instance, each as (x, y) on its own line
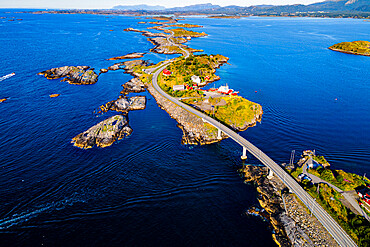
(104, 133)
(128, 56)
(288, 229)
(134, 85)
(82, 75)
(124, 104)
(145, 33)
(361, 48)
(195, 131)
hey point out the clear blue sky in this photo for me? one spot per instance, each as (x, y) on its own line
(110, 3)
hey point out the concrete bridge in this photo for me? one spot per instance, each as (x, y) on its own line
(340, 236)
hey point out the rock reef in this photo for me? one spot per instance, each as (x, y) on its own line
(195, 131)
(124, 104)
(145, 33)
(135, 85)
(128, 56)
(104, 133)
(82, 75)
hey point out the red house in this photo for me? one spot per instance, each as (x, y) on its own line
(167, 72)
(365, 195)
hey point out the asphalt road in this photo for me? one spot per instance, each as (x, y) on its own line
(342, 238)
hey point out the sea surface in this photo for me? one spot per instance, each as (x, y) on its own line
(148, 189)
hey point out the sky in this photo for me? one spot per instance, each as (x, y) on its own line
(107, 4)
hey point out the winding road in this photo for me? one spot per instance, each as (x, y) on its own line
(340, 236)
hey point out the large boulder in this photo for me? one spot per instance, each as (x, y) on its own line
(135, 85)
(104, 133)
(124, 104)
(72, 74)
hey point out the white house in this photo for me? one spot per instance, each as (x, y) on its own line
(196, 79)
(178, 87)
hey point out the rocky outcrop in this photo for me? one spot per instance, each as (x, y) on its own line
(286, 232)
(104, 133)
(128, 56)
(135, 85)
(257, 118)
(162, 46)
(116, 66)
(72, 74)
(130, 65)
(124, 104)
(146, 33)
(195, 131)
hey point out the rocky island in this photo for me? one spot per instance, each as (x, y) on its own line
(81, 75)
(124, 104)
(128, 56)
(355, 47)
(104, 133)
(234, 111)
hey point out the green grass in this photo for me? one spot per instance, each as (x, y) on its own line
(182, 69)
(356, 47)
(180, 32)
(356, 226)
(344, 180)
(320, 159)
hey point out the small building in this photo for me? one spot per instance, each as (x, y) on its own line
(364, 192)
(196, 79)
(303, 176)
(167, 72)
(313, 164)
(178, 87)
(225, 90)
(365, 195)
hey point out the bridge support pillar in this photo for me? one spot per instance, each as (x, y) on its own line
(219, 134)
(271, 174)
(244, 156)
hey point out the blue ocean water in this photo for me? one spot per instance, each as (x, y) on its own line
(148, 189)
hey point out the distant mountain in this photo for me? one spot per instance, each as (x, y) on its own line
(328, 6)
(139, 7)
(196, 7)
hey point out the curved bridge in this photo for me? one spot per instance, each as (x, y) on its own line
(340, 236)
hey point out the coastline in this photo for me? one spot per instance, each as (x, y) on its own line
(291, 222)
(348, 52)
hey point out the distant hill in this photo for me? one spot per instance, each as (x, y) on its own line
(139, 7)
(196, 7)
(328, 6)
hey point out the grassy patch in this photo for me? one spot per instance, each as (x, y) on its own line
(180, 32)
(356, 226)
(344, 180)
(182, 70)
(185, 25)
(357, 47)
